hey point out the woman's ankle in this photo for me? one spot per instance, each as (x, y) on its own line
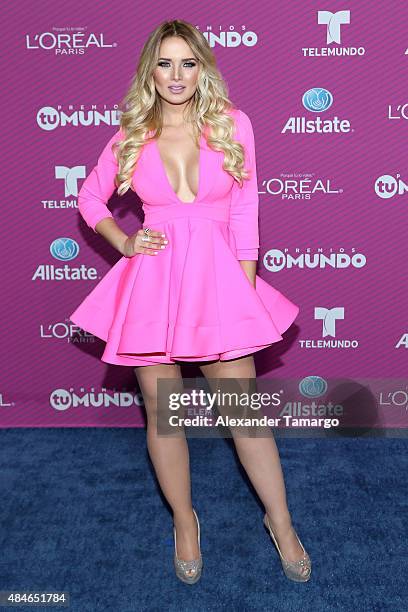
(279, 522)
(185, 515)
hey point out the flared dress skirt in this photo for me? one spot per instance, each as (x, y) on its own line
(190, 302)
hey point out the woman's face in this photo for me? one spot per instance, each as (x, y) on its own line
(176, 67)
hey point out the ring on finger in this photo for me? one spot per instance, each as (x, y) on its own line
(146, 231)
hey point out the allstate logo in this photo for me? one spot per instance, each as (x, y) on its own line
(317, 99)
(313, 386)
(64, 249)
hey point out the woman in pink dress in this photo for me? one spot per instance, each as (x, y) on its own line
(186, 288)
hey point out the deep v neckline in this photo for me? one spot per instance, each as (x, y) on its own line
(166, 178)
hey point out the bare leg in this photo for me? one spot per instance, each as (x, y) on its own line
(170, 458)
(260, 459)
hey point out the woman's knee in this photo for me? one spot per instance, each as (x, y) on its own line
(155, 388)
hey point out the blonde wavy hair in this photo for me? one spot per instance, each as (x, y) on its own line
(209, 106)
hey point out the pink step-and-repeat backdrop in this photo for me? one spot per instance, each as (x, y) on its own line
(326, 87)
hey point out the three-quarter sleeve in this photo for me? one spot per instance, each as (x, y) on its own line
(99, 186)
(244, 221)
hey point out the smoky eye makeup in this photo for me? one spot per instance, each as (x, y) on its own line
(164, 63)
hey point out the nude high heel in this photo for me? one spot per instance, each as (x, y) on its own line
(293, 569)
(194, 567)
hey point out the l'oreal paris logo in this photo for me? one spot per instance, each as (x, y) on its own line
(316, 100)
(67, 41)
(398, 111)
(299, 186)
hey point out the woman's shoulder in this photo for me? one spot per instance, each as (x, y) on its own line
(241, 118)
(242, 121)
(119, 134)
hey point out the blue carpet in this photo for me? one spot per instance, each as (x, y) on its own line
(81, 512)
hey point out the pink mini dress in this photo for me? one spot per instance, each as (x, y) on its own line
(192, 301)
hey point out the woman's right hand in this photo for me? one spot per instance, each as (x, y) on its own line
(146, 244)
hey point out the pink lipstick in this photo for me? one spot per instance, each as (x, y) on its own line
(176, 88)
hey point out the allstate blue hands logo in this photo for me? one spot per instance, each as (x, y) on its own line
(317, 99)
(64, 249)
(313, 386)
